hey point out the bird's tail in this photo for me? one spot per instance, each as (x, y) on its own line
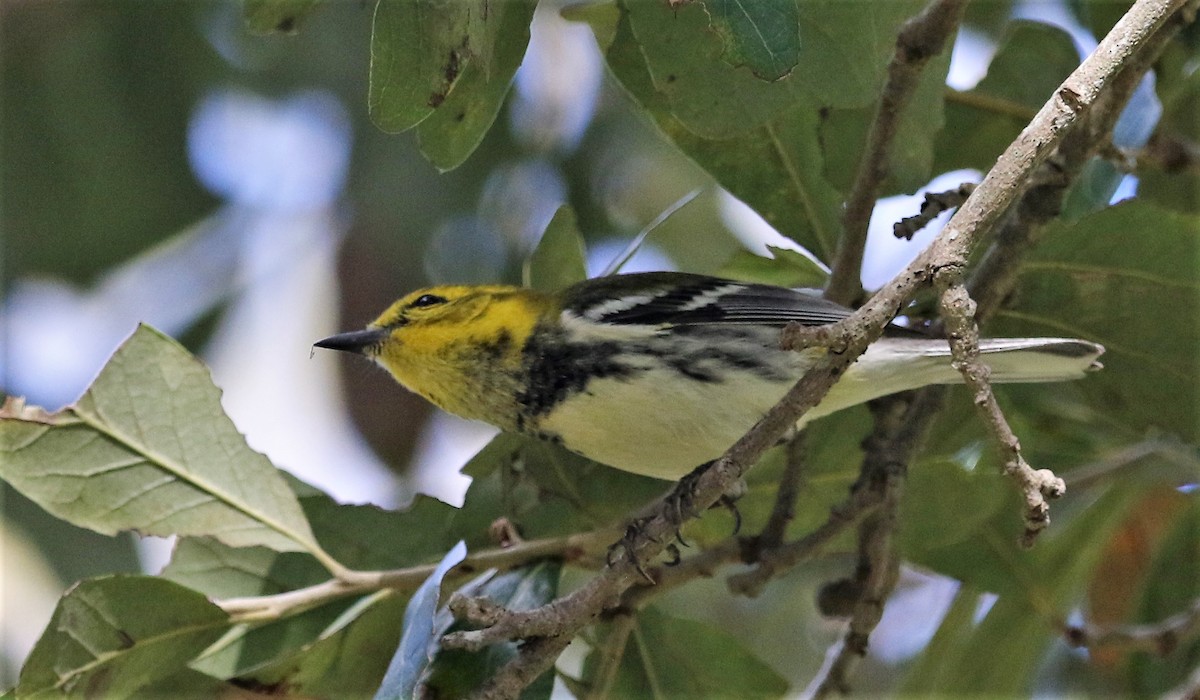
(898, 364)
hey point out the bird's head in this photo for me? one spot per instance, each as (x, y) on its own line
(458, 346)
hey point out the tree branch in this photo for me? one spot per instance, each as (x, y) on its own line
(562, 618)
(1160, 638)
(921, 38)
(958, 313)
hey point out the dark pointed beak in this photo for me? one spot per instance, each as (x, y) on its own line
(354, 341)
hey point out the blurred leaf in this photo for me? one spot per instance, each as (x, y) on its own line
(710, 97)
(455, 673)
(775, 168)
(1030, 63)
(270, 16)
(545, 490)
(148, 448)
(458, 125)
(845, 131)
(559, 260)
(1140, 297)
(348, 658)
(675, 658)
(186, 683)
(110, 636)
(421, 634)
(845, 48)
(946, 492)
(787, 268)
(601, 16)
(1172, 584)
(419, 50)
(762, 35)
(1000, 656)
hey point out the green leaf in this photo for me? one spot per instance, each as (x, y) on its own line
(1031, 62)
(601, 16)
(361, 536)
(348, 658)
(787, 268)
(763, 35)
(545, 490)
(458, 125)
(1172, 584)
(419, 50)
(710, 97)
(421, 634)
(455, 673)
(271, 16)
(148, 448)
(845, 131)
(110, 636)
(776, 168)
(675, 658)
(559, 259)
(845, 48)
(949, 493)
(1139, 297)
(999, 656)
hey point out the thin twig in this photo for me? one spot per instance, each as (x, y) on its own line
(610, 653)
(921, 38)
(1160, 638)
(935, 203)
(901, 423)
(958, 313)
(272, 607)
(784, 510)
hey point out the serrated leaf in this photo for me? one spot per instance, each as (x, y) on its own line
(458, 125)
(762, 35)
(420, 634)
(419, 51)
(110, 636)
(455, 673)
(558, 261)
(681, 658)
(1139, 299)
(148, 448)
(271, 16)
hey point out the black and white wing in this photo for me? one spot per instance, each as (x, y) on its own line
(668, 299)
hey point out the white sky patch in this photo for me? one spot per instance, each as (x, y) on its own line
(754, 232)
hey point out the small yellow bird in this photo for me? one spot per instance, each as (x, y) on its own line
(654, 373)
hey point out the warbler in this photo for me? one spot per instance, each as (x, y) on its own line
(654, 373)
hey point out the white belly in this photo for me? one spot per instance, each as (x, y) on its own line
(664, 433)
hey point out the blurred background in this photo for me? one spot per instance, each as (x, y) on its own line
(160, 164)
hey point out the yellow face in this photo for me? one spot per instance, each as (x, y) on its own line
(459, 346)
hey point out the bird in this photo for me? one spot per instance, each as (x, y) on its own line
(654, 373)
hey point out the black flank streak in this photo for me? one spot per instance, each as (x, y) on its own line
(558, 369)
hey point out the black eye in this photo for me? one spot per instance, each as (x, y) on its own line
(427, 300)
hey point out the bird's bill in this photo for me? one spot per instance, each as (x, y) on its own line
(354, 341)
